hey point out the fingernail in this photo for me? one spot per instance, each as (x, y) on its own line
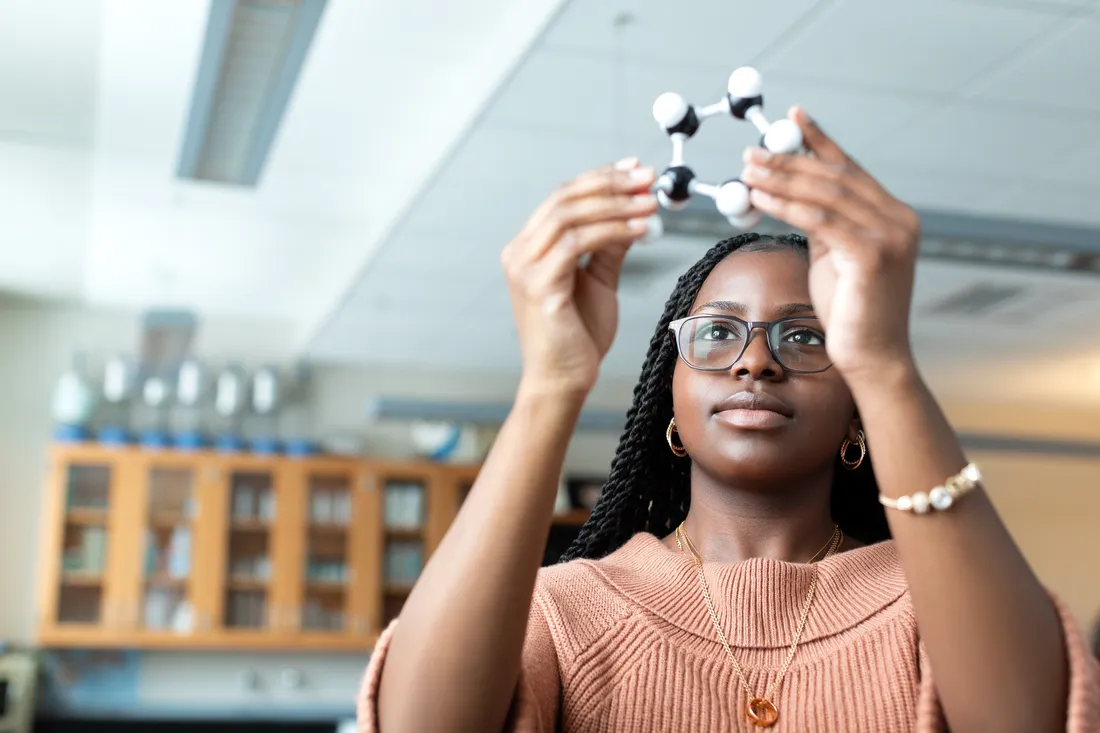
(639, 175)
(645, 199)
(761, 199)
(754, 173)
(626, 163)
(757, 155)
(639, 225)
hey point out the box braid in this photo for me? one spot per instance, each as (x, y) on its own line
(648, 488)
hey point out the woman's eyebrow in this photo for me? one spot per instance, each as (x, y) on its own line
(739, 309)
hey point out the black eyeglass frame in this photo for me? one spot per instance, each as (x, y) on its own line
(750, 326)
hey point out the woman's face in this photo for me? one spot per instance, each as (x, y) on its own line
(722, 416)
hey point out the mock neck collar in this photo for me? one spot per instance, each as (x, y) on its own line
(758, 601)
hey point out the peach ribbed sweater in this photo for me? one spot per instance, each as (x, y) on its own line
(625, 645)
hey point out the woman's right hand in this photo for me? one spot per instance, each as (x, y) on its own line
(567, 313)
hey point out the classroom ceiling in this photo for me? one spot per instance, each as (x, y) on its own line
(95, 100)
(988, 108)
(421, 133)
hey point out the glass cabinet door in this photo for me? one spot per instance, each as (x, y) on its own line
(248, 565)
(404, 509)
(168, 560)
(87, 506)
(328, 553)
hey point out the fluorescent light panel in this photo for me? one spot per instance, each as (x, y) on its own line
(252, 55)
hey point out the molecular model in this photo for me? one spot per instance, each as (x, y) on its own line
(680, 121)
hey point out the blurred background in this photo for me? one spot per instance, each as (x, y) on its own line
(256, 338)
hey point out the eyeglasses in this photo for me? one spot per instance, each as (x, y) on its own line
(716, 343)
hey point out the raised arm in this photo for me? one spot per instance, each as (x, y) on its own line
(454, 659)
(993, 636)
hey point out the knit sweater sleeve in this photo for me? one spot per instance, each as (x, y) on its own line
(1083, 709)
(538, 692)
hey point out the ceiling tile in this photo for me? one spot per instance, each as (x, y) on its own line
(408, 338)
(498, 176)
(1081, 165)
(1063, 203)
(941, 191)
(45, 192)
(985, 139)
(932, 45)
(49, 54)
(456, 252)
(1052, 6)
(1061, 72)
(616, 99)
(693, 31)
(599, 97)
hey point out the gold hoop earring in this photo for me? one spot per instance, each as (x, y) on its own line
(853, 465)
(677, 450)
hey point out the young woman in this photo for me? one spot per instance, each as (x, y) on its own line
(738, 570)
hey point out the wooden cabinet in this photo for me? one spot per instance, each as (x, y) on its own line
(158, 549)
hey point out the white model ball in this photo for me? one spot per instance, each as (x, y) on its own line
(665, 201)
(744, 83)
(746, 221)
(783, 136)
(733, 199)
(670, 109)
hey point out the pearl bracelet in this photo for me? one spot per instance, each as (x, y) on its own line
(940, 498)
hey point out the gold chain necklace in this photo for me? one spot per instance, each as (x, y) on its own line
(761, 710)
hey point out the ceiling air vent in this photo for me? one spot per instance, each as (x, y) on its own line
(251, 57)
(1006, 243)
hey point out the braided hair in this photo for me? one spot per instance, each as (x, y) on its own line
(648, 488)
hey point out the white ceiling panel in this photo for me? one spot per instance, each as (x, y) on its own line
(149, 56)
(1080, 165)
(461, 253)
(1061, 72)
(969, 192)
(931, 46)
(1052, 6)
(48, 65)
(404, 337)
(960, 138)
(498, 175)
(598, 97)
(1071, 203)
(616, 99)
(690, 31)
(44, 193)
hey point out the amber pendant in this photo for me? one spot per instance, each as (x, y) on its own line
(762, 713)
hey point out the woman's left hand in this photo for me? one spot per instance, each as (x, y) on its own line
(863, 246)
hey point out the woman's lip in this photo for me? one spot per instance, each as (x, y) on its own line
(752, 419)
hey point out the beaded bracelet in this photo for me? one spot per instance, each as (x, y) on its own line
(940, 498)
